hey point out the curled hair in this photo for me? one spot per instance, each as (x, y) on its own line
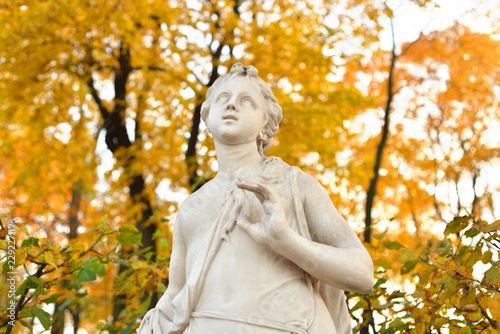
(273, 112)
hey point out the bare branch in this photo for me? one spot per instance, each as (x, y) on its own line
(104, 111)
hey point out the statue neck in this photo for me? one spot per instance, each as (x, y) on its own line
(236, 161)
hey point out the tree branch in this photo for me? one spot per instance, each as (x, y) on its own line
(104, 111)
(493, 323)
(19, 304)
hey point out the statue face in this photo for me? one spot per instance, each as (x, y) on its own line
(236, 115)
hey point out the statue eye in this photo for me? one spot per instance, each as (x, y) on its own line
(247, 100)
(223, 97)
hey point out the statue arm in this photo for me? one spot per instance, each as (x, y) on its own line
(341, 258)
(335, 255)
(177, 270)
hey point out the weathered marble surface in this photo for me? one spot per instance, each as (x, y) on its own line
(260, 248)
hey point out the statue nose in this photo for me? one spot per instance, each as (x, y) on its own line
(231, 106)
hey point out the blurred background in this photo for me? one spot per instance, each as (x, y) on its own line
(393, 105)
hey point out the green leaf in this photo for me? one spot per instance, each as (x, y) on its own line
(164, 243)
(51, 299)
(30, 241)
(462, 251)
(26, 324)
(74, 286)
(425, 277)
(86, 275)
(5, 267)
(395, 326)
(450, 289)
(129, 235)
(475, 255)
(442, 280)
(158, 233)
(492, 276)
(392, 244)
(471, 233)
(379, 236)
(161, 288)
(121, 261)
(408, 267)
(128, 329)
(81, 294)
(31, 282)
(65, 303)
(144, 305)
(90, 262)
(383, 263)
(380, 281)
(43, 316)
(93, 264)
(456, 225)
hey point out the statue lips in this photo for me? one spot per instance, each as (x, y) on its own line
(229, 117)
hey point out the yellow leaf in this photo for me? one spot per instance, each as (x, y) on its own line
(484, 227)
(49, 258)
(78, 247)
(440, 322)
(486, 257)
(23, 228)
(494, 306)
(460, 330)
(21, 255)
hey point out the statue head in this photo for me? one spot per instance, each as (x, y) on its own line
(272, 113)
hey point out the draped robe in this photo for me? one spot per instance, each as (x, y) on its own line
(294, 318)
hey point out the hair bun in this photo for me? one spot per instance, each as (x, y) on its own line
(239, 69)
(252, 71)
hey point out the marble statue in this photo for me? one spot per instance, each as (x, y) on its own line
(260, 248)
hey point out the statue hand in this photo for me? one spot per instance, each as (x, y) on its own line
(273, 227)
(154, 321)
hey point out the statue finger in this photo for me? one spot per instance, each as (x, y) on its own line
(247, 185)
(259, 188)
(250, 186)
(243, 223)
(267, 192)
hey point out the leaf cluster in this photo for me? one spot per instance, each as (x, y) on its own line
(456, 280)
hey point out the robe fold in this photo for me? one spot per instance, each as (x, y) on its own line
(284, 180)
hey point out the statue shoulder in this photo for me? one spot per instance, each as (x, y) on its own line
(276, 168)
(308, 185)
(193, 201)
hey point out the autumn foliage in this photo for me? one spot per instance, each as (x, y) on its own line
(101, 139)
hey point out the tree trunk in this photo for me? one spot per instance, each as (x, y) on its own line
(195, 182)
(372, 189)
(117, 138)
(191, 161)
